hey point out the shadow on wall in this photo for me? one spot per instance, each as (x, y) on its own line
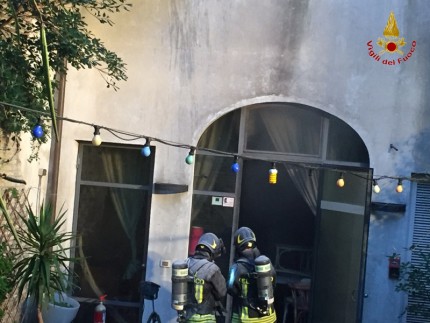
(421, 148)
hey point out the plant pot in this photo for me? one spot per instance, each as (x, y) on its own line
(54, 313)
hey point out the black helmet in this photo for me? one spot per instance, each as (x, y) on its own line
(212, 243)
(244, 237)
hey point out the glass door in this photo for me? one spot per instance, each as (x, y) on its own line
(113, 196)
(341, 243)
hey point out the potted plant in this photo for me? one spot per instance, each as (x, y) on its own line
(43, 273)
(415, 281)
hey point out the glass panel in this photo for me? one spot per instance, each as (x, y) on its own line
(344, 144)
(104, 165)
(338, 269)
(112, 241)
(284, 128)
(223, 134)
(214, 173)
(217, 219)
(351, 192)
(342, 235)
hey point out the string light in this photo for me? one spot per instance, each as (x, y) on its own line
(399, 188)
(127, 136)
(235, 166)
(146, 150)
(97, 140)
(273, 174)
(376, 187)
(37, 130)
(190, 158)
(340, 182)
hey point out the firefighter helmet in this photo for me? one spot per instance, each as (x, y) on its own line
(244, 237)
(212, 243)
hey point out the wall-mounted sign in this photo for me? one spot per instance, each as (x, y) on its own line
(228, 201)
(216, 200)
(223, 201)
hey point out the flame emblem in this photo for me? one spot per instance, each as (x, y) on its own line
(391, 43)
(213, 245)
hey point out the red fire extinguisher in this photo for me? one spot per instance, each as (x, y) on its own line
(100, 311)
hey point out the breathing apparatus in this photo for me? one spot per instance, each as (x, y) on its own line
(264, 280)
(179, 287)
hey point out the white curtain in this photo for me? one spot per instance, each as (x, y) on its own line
(288, 135)
(127, 204)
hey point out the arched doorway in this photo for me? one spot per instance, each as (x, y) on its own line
(312, 230)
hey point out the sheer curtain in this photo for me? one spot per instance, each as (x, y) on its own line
(127, 204)
(291, 135)
(222, 135)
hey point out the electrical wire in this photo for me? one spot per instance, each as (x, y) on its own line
(129, 136)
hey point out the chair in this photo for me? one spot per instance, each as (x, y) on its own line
(300, 299)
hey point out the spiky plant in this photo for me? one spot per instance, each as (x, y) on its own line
(44, 268)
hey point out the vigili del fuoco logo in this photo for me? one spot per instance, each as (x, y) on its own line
(391, 46)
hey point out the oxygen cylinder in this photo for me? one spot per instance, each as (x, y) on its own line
(264, 279)
(100, 311)
(179, 284)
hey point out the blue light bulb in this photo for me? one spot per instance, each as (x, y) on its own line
(235, 167)
(146, 151)
(37, 131)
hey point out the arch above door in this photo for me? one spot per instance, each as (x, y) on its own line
(309, 148)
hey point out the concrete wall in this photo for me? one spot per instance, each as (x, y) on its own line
(14, 162)
(189, 62)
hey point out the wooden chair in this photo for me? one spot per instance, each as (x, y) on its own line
(300, 299)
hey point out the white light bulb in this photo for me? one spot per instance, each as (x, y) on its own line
(97, 140)
(376, 189)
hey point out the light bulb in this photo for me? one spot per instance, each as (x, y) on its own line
(235, 166)
(190, 158)
(97, 140)
(376, 187)
(146, 150)
(399, 188)
(273, 174)
(340, 182)
(37, 130)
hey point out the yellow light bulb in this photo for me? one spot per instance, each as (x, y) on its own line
(340, 182)
(399, 188)
(273, 176)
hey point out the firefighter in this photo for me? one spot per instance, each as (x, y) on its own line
(208, 285)
(253, 299)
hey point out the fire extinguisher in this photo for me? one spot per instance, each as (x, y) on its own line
(100, 311)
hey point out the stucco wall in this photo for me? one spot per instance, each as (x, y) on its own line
(190, 62)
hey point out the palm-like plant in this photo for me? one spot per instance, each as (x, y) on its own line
(44, 267)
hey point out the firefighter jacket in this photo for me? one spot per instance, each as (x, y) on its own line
(242, 286)
(207, 288)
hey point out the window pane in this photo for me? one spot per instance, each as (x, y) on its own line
(103, 164)
(213, 173)
(111, 223)
(344, 144)
(223, 134)
(217, 219)
(287, 129)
